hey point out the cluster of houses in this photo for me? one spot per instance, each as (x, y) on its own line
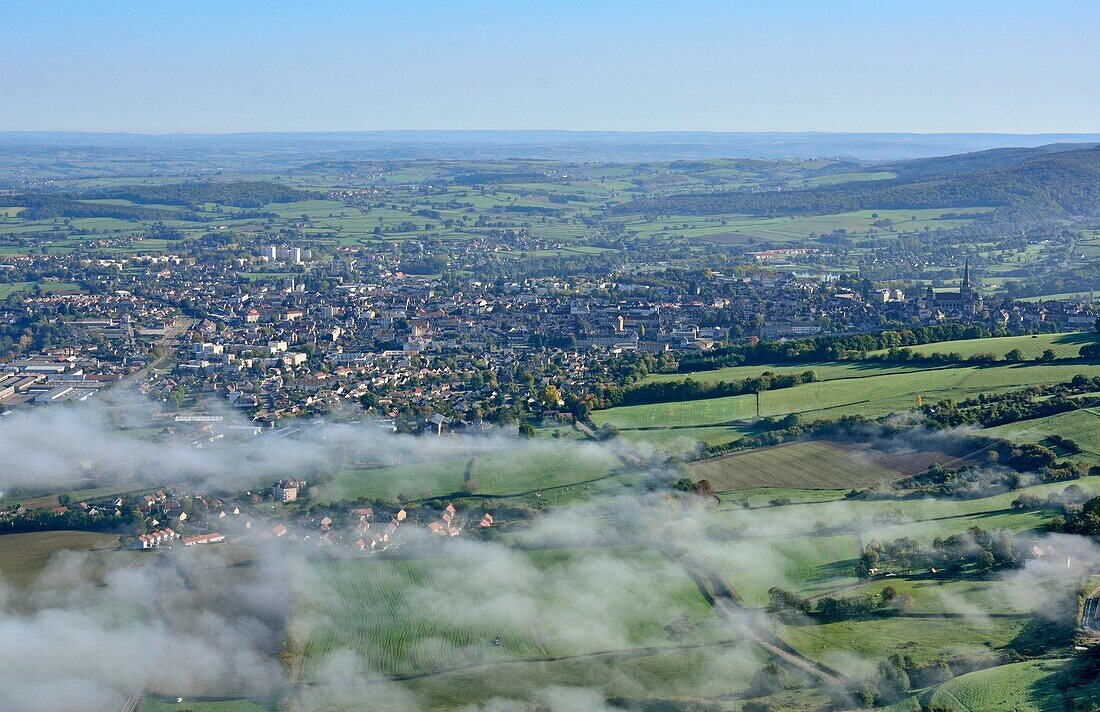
(160, 537)
(155, 538)
(361, 530)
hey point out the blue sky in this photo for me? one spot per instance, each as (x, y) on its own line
(774, 65)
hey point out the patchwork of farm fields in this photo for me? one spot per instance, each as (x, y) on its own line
(946, 616)
(813, 465)
(868, 396)
(738, 229)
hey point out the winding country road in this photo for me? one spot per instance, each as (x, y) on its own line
(1089, 611)
(728, 604)
(722, 597)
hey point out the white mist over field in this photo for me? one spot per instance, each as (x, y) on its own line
(94, 628)
(111, 440)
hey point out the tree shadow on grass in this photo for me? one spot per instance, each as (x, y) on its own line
(1076, 686)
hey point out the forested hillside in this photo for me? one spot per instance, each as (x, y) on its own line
(240, 194)
(1051, 185)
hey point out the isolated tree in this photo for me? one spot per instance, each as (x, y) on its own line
(550, 396)
(704, 488)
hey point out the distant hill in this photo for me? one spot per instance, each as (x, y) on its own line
(240, 194)
(186, 199)
(977, 161)
(1034, 183)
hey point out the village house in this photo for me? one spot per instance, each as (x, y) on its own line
(288, 490)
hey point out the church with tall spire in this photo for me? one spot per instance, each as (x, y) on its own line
(964, 300)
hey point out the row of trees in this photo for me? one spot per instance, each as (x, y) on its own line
(907, 355)
(832, 348)
(784, 603)
(36, 520)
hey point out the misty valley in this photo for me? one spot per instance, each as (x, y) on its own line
(379, 422)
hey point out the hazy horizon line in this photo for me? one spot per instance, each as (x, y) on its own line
(633, 132)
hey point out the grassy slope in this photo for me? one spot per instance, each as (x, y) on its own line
(1020, 686)
(1064, 345)
(870, 396)
(1081, 426)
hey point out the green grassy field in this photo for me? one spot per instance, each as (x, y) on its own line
(825, 370)
(1077, 296)
(870, 396)
(806, 564)
(159, 704)
(417, 615)
(1081, 426)
(848, 645)
(1024, 687)
(23, 556)
(822, 537)
(763, 496)
(836, 178)
(10, 288)
(743, 229)
(947, 616)
(534, 472)
(713, 672)
(1064, 345)
(684, 440)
